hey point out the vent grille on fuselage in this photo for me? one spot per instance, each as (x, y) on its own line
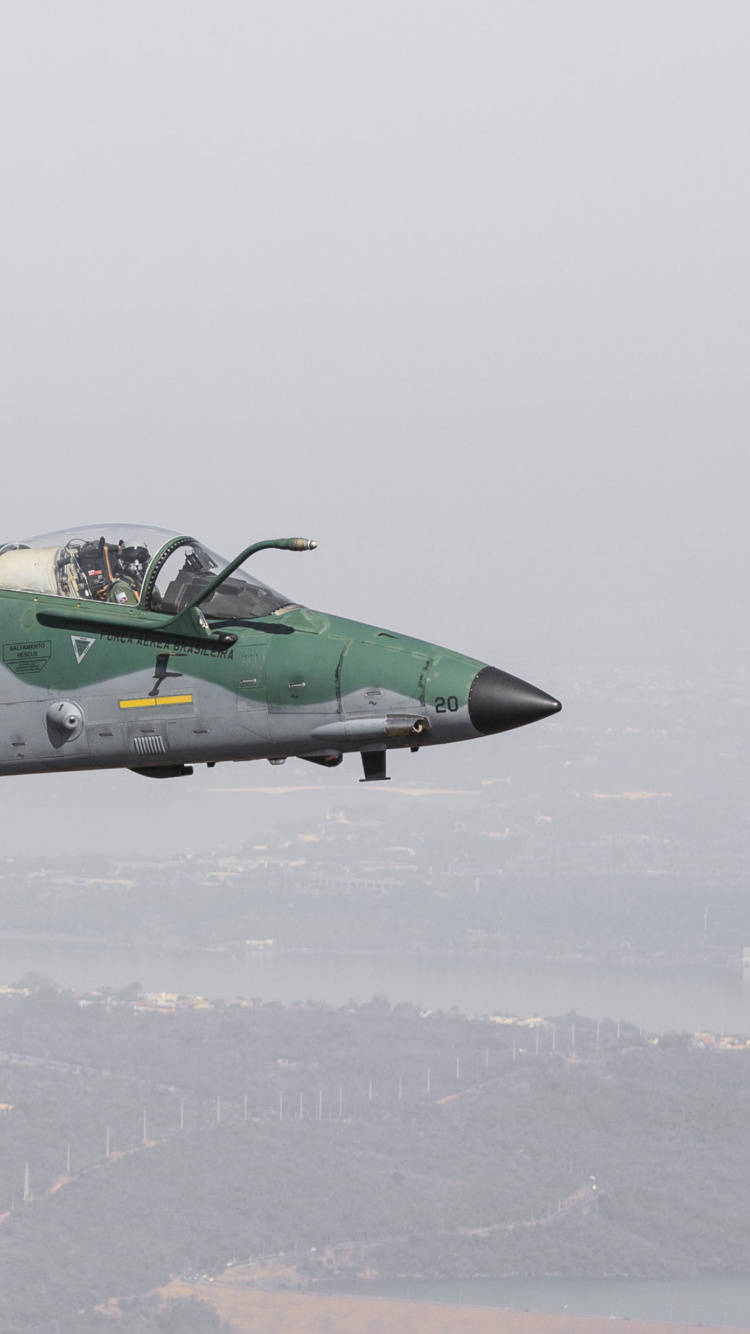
(150, 745)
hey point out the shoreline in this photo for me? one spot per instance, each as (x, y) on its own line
(252, 1309)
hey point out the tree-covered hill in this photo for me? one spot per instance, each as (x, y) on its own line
(371, 1140)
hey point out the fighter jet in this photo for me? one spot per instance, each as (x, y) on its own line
(138, 648)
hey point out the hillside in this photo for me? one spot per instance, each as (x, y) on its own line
(353, 1142)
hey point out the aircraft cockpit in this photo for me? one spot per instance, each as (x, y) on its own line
(151, 567)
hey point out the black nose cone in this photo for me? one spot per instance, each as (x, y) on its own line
(499, 702)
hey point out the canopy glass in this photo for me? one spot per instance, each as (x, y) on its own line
(133, 564)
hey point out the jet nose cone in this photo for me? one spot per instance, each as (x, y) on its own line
(499, 702)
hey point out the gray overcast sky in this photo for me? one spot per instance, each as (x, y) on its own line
(461, 289)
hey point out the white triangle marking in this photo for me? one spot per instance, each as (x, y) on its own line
(81, 645)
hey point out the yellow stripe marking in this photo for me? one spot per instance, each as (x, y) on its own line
(149, 703)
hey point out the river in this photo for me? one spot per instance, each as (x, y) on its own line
(659, 1001)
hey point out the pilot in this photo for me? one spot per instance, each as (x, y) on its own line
(130, 570)
(121, 590)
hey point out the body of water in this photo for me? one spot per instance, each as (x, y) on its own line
(697, 1301)
(661, 1002)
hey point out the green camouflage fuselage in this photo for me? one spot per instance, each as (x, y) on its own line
(112, 687)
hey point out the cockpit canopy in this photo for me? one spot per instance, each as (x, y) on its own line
(152, 567)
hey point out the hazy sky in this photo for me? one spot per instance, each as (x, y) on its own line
(459, 289)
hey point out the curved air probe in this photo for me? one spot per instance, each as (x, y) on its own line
(190, 619)
(281, 543)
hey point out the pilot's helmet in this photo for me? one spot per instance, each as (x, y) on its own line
(133, 562)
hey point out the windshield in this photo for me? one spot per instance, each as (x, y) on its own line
(129, 563)
(185, 567)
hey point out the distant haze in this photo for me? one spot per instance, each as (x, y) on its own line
(460, 290)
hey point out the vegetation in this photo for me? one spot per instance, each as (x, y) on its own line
(148, 1315)
(357, 1141)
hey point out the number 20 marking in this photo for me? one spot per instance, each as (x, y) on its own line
(441, 703)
